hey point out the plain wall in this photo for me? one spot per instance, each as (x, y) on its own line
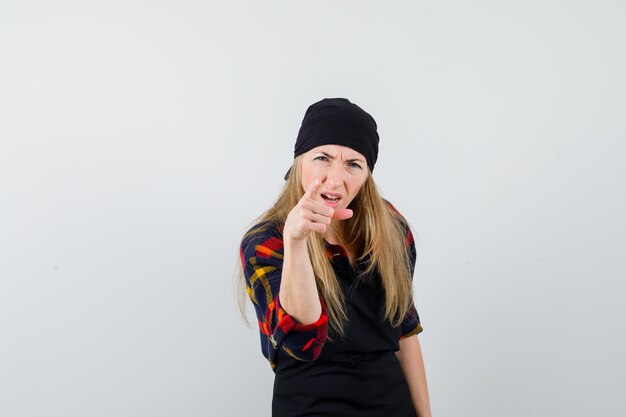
(139, 140)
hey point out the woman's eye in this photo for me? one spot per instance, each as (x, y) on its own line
(321, 158)
(355, 165)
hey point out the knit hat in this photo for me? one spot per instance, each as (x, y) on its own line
(337, 121)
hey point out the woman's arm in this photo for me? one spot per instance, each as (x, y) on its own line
(298, 290)
(262, 255)
(412, 363)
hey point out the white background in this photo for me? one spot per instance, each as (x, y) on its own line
(139, 140)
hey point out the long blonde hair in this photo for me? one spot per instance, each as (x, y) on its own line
(375, 230)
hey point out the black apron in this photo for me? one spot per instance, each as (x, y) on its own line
(358, 375)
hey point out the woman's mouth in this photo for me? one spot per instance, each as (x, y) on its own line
(331, 199)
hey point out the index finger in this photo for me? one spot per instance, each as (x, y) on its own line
(312, 190)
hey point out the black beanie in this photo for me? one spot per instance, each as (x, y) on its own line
(337, 121)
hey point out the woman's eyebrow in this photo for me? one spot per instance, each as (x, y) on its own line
(349, 160)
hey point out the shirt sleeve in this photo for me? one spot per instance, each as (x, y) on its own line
(411, 323)
(262, 260)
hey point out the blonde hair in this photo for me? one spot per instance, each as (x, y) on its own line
(375, 230)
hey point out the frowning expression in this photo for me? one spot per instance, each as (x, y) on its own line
(341, 170)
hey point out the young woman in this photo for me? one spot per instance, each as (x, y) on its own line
(329, 271)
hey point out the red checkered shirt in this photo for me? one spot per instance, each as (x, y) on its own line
(262, 258)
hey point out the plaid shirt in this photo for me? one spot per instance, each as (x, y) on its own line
(262, 259)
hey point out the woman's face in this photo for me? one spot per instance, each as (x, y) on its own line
(341, 170)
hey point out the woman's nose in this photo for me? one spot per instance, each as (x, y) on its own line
(334, 175)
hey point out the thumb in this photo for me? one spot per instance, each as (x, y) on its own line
(342, 214)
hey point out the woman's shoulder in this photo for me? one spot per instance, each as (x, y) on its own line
(268, 233)
(404, 223)
(395, 211)
(391, 206)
